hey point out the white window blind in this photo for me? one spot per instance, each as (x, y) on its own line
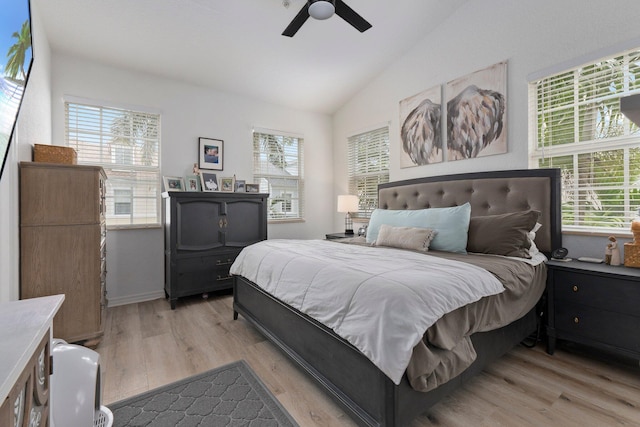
(126, 144)
(576, 125)
(368, 166)
(278, 167)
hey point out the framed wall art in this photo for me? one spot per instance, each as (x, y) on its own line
(420, 133)
(477, 114)
(211, 153)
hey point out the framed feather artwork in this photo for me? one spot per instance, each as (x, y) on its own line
(477, 114)
(420, 133)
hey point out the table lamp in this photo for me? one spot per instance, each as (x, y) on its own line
(347, 203)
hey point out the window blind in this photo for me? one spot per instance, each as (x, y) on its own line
(368, 166)
(278, 162)
(576, 125)
(126, 144)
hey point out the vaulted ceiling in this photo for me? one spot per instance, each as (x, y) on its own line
(236, 46)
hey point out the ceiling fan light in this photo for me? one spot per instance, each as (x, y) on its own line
(321, 9)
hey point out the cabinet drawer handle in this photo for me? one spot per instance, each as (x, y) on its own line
(575, 288)
(576, 320)
(227, 277)
(222, 262)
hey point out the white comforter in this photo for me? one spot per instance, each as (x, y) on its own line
(381, 300)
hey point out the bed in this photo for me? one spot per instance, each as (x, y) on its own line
(358, 385)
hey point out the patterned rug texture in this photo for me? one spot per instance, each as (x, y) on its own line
(231, 395)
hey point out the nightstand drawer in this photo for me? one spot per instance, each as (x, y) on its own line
(605, 293)
(613, 328)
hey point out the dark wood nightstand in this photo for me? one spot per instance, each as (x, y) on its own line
(333, 236)
(594, 304)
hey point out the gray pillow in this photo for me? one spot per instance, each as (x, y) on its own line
(505, 234)
(405, 237)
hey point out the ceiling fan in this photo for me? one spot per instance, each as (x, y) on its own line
(324, 9)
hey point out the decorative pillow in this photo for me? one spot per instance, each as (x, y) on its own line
(451, 225)
(405, 237)
(506, 234)
(532, 237)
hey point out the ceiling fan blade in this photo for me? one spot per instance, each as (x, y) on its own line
(351, 16)
(297, 22)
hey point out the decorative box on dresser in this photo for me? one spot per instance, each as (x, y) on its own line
(63, 244)
(594, 304)
(25, 365)
(204, 233)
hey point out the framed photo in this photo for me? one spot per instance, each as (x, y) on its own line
(239, 187)
(227, 184)
(173, 183)
(209, 181)
(211, 153)
(192, 183)
(252, 188)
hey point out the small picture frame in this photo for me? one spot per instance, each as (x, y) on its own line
(211, 153)
(240, 185)
(173, 183)
(192, 183)
(252, 188)
(227, 184)
(209, 181)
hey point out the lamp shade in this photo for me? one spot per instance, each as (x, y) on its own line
(347, 203)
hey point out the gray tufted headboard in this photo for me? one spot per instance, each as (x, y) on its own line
(489, 193)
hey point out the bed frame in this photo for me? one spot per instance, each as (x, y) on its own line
(357, 385)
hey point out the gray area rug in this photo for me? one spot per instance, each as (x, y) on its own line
(231, 395)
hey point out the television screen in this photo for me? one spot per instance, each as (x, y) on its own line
(16, 56)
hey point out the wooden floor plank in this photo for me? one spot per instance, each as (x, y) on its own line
(147, 345)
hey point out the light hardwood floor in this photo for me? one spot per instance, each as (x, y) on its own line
(147, 345)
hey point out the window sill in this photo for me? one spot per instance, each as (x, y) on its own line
(599, 233)
(285, 221)
(134, 227)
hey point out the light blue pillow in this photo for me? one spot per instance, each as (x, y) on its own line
(451, 225)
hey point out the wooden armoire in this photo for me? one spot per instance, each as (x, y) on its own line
(63, 244)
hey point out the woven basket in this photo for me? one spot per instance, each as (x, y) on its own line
(54, 154)
(631, 255)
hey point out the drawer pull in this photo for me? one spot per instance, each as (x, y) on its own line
(576, 320)
(229, 261)
(227, 277)
(575, 288)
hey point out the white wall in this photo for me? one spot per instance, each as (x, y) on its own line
(135, 258)
(531, 36)
(34, 126)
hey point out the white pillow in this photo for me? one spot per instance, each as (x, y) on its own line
(533, 249)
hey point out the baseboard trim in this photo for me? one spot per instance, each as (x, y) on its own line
(132, 299)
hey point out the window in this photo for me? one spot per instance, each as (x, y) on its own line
(576, 125)
(368, 167)
(122, 202)
(278, 168)
(126, 144)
